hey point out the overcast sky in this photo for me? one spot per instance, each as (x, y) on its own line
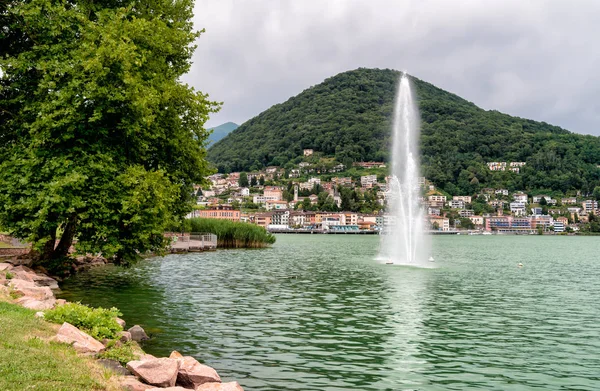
(538, 59)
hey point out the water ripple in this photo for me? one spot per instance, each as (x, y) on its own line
(316, 313)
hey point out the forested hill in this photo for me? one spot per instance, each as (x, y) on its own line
(348, 117)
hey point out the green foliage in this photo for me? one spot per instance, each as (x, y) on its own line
(98, 322)
(233, 234)
(244, 180)
(123, 353)
(99, 139)
(9, 275)
(349, 116)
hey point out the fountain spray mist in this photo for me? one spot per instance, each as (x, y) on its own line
(403, 240)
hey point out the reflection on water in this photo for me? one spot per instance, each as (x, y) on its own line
(317, 313)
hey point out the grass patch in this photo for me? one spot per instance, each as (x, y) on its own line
(232, 234)
(28, 361)
(123, 353)
(5, 245)
(100, 323)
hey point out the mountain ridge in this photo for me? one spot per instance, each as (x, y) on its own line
(348, 117)
(221, 131)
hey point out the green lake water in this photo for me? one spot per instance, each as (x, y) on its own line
(316, 312)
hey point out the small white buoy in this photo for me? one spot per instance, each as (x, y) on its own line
(430, 259)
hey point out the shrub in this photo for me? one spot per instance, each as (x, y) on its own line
(121, 353)
(98, 322)
(233, 234)
(8, 275)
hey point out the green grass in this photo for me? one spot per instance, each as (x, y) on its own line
(5, 245)
(29, 361)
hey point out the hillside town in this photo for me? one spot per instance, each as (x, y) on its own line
(314, 197)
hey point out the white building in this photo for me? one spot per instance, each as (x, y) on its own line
(261, 199)
(465, 199)
(520, 197)
(590, 206)
(538, 198)
(368, 180)
(518, 208)
(466, 213)
(559, 226)
(456, 204)
(437, 198)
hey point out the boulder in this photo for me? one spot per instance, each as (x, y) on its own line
(39, 314)
(17, 284)
(121, 322)
(24, 269)
(60, 302)
(231, 386)
(159, 372)
(35, 304)
(191, 373)
(82, 342)
(138, 334)
(124, 336)
(175, 355)
(24, 288)
(131, 383)
(5, 266)
(114, 366)
(42, 280)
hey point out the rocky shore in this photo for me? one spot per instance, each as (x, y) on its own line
(34, 289)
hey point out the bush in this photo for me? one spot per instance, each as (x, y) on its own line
(8, 275)
(123, 353)
(100, 323)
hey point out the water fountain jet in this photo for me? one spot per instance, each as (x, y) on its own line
(403, 240)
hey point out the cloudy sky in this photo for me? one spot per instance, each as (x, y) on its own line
(538, 59)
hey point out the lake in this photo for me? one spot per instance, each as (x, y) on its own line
(316, 312)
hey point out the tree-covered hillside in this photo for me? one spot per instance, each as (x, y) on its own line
(349, 116)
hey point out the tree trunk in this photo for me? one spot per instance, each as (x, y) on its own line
(48, 250)
(62, 250)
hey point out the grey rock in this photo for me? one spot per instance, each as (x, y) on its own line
(138, 334)
(114, 366)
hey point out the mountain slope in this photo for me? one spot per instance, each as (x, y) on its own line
(219, 132)
(348, 117)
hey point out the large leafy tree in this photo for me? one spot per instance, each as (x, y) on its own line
(99, 139)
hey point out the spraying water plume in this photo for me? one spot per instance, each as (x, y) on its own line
(403, 240)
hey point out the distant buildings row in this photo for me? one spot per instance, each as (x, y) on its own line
(350, 221)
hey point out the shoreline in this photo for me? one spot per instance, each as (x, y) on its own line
(34, 290)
